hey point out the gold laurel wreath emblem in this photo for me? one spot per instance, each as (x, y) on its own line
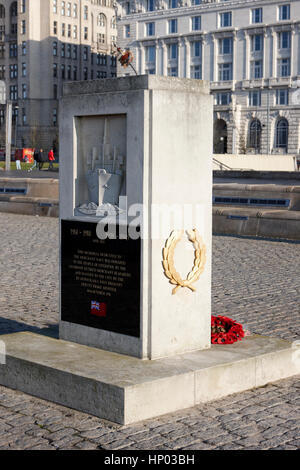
(199, 261)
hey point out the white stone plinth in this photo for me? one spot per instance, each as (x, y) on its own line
(168, 149)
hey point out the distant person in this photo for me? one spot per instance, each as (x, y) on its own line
(51, 159)
(18, 162)
(36, 160)
(41, 159)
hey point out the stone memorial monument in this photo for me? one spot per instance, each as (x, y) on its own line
(135, 261)
(127, 138)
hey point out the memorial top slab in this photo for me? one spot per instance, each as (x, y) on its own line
(133, 83)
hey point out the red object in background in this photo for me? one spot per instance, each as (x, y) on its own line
(24, 155)
(224, 330)
(98, 309)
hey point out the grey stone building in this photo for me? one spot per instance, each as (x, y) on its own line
(44, 43)
(249, 50)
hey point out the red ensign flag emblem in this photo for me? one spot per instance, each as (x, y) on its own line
(98, 309)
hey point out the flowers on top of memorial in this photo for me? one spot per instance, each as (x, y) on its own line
(224, 330)
(124, 57)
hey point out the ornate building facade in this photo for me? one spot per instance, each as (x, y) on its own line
(44, 43)
(249, 50)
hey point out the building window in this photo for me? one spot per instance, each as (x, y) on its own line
(24, 69)
(285, 40)
(86, 33)
(54, 70)
(54, 117)
(63, 50)
(69, 51)
(150, 5)
(69, 72)
(173, 3)
(196, 49)
(172, 26)
(24, 48)
(75, 72)
(85, 53)
(255, 134)
(13, 92)
(196, 23)
(127, 31)
(282, 97)
(257, 15)
(257, 42)
(225, 46)
(54, 6)
(282, 132)
(150, 54)
(69, 30)
(255, 98)
(54, 48)
(225, 19)
(24, 91)
(13, 50)
(63, 29)
(13, 71)
(63, 71)
(85, 73)
(196, 72)
(2, 71)
(75, 53)
(256, 69)
(63, 8)
(150, 29)
(101, 19)
(172, 72)
(284, 68)
(55, 27)
(23, 27)
(284, 12)
(23, 6)
(225, 71)
(24, 117)
(172, 51)
(86, 13)
(223, 99)
(55, 91)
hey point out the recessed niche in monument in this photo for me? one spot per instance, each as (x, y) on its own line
(101, 164)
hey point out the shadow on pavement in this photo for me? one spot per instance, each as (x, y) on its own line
(8, 326)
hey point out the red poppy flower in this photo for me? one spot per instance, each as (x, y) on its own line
(224, 330)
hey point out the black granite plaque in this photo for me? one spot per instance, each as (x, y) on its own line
(100, 279)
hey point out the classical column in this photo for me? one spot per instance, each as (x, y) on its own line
(165, 59)
(265, 35)
(142, 59)
(157, 64)
(292, 52)
(215, 58)
(274, 53)
(234, 55)
(181, 71)
(187, 58)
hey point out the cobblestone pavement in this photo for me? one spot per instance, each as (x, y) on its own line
(254, 281)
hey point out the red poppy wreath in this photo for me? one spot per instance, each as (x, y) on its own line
(224, 330)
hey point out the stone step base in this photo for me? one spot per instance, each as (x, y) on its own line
(266, 223)
(125, 390)
(33, 206)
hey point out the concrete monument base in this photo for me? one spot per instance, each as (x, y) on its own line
(125, 390)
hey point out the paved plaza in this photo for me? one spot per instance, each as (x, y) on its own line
(254, 281)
